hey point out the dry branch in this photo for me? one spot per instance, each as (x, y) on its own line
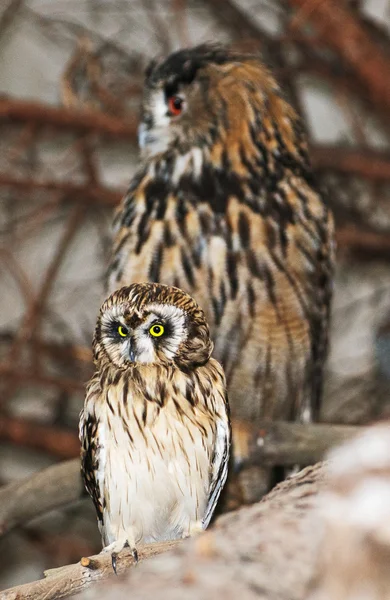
(51, 488)
(373, 242)
(86, 193)
(339, 29)
(53, 440)
(8, 14)
(286, 546)
(240, 24)
(363, 163)
(91, 121)
(71, 579)
(281, 507)
(32, 378)
(280, 443)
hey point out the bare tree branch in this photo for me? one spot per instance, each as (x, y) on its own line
(50, 439)
(269, 519)
(72, 192)
(8, 14)
(71, 579)
(368, 164)
(354, 238)
(51, 488)
(84, 121)
(339, 29)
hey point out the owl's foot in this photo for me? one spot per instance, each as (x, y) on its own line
(115, 548)
(194, 528)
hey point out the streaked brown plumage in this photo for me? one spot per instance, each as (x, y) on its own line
(155, 430)
(224, 205)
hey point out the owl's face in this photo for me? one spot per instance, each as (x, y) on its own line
(151, 323)
(191, 97)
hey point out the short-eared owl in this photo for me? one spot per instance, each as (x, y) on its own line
(155, 429)
(225, 206)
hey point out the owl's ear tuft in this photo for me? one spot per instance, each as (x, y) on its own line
(153, 65)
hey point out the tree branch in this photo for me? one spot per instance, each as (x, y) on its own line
(87, 193)
(367, 164)
(53, 440)
(283, 443)
(297, 530)
(353, 238)
(91, 121)
(51, 488)
(8, 14)
(71, 579)
(340, 30)
(291, 502)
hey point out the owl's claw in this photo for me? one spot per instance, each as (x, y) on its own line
(116, 548)
(113, 561)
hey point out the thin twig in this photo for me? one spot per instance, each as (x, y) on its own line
(71, 579)
(63, 118)
(339, 29)
(86, 194)
(46, 438)
(8, 14)
(368, 164)
(49, 489)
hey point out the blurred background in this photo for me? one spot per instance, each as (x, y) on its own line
(71, 75)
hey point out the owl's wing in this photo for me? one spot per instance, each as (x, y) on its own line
(219, 466)
(92, 457)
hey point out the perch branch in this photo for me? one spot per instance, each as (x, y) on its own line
(71, 579)
(290, 502)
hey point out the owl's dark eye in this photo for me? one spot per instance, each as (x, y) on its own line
(175, 105)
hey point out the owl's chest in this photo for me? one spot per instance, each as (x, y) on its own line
(155, 475)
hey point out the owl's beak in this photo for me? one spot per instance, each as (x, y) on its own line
(131, 350)
(143, 135)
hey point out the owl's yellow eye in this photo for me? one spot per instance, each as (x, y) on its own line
(123, 332)
(156, 330)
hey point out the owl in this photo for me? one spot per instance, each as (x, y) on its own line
(154, 430)
(225, 206)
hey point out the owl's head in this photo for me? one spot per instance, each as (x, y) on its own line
(151, 323)
(206, 94)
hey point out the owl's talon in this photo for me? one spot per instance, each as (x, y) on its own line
(134, 554)
(113, 561)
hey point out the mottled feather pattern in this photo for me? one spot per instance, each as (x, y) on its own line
(155, 435)
(225, 206)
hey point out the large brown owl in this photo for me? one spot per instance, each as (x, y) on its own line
(154, 431)
(225, 206)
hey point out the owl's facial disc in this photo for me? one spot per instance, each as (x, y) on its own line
(160, 333)
(150, 336)
(162, 112)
